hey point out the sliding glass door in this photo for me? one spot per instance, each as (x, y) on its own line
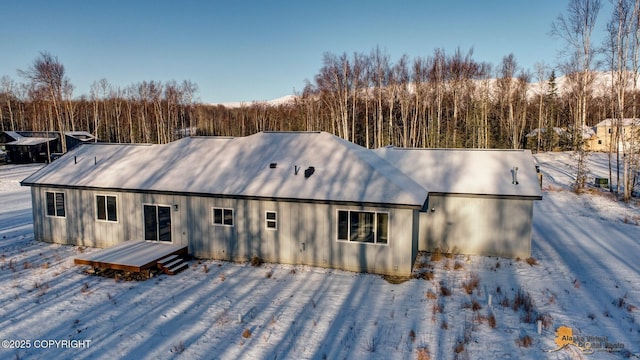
(157, 223)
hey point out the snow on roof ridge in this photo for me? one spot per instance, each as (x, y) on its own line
(116, 144)
(209, 137)
(236, 167)
(623, 122)
(453, 149)
(292, 131)
(386, 168)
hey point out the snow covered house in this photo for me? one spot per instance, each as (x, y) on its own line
(290, 197)
(559, 138)
(38, 146)
(303, 198)
(605, 134)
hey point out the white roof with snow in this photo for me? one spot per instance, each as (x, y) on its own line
(26, 140)
(587, 132)
(622, 122)
(468, 171)
(557, 130)
(81, 135)
(240, 167)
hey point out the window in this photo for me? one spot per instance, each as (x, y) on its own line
(157, 223)
(222, 216)
(271, 220)
(106, 209)
(363, 226)
(55, 204)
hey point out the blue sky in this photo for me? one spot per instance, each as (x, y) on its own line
(261, 50)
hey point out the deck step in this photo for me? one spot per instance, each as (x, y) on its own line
(167, 259)
(176, 268)
(172, 264)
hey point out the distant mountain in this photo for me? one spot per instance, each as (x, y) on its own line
(601, 85)
(274, 102)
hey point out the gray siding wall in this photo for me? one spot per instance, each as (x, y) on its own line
(477, 226)
(306, 233)
(81, 227)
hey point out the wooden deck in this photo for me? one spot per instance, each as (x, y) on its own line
(132, 256)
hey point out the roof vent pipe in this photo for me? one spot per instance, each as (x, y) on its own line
(296, 168)
(75, 160)
(514, 173)
(309, 171)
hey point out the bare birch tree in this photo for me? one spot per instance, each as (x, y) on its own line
(619, 29)
(576, 29)
(379, 71)
(541, 76)
(7, 92)
(48, 74)
(437, 76)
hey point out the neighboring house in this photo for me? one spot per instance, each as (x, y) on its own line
(480, 201)
(38, 146)
(27, 149)
(605, 134)
(291, 197)
(559, 138)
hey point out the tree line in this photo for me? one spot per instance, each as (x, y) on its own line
(443, 100)
(438, 100)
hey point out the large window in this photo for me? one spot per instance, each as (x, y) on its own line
(363, 226)
(157, 222)
(271, 220)
(55, 204)
(106, 208)
(222, 216)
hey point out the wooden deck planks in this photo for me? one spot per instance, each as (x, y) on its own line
(133, 256)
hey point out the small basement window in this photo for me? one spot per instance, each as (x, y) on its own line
(55, 204)
(223, 216)
(271, 220)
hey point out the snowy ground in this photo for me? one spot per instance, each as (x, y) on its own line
(586, 277)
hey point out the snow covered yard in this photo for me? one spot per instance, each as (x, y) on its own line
(584, 274)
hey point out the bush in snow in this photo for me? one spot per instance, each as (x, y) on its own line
(256, 261)
(492, 320)
(524, 341)
(444, 290)
(522, 300)
(471, 284)
(178, 348)
(436, 255)
(422, 353)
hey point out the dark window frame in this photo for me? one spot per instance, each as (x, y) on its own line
(55, 204)
(364, 227)
(271, 220)
(105, 210)
(157, 222)
(222, 216)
